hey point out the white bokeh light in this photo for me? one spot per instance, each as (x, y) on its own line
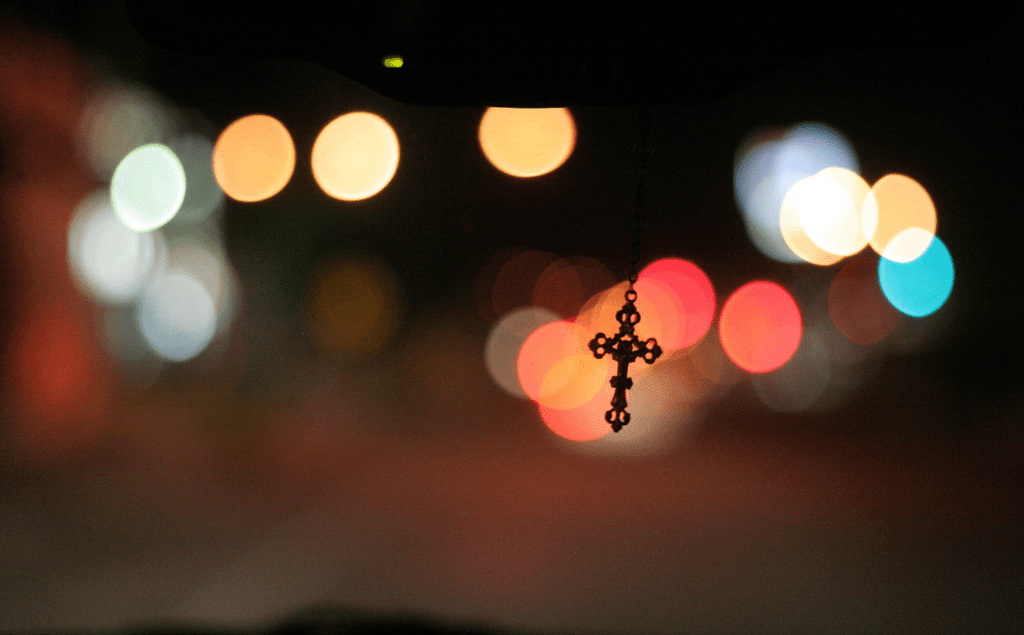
(199, 254)
(203, 195)
(505, 341)
(798, 383)
(148, 187)
(109, 261)
(177, 317)
(116, 120)
(768, 166)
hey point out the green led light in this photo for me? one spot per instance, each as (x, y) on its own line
(393, 62)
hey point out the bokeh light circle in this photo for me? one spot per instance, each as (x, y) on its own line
(711, 362)
(896, 204)
(793, 231)
(115, 121)
(760, 326)
(695, 294)
(660, 420)
(203, 195)
(585, 422)
(515, 280)
(201, 257)
(566, 284)
(769, 163)
(801, 381)
(527, 142)
(506, 338)
(857, 305)
(556, 369)
(253, 158)
(148, 187)
(662, 314)
(108, 261)
(545, 348)
(122, 339)
(355, 156)
(920, 287)
(354, 305)
(177, 317)
(598, 313)
(830, 210)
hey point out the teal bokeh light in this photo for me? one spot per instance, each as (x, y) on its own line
(148, 187)
(919, 287)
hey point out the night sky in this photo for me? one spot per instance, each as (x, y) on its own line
(266, 477)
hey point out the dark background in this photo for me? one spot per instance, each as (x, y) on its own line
(408, 484)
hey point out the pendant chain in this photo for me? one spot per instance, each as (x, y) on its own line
(639, 221)
(626, 347)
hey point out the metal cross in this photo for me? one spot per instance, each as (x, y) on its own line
(625, 348)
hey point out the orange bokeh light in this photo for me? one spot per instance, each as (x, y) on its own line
(895, 205)
(661, 313)
(598, 313)
(253, 158)
(582, 423)
(527, 142)
(556, 368)
(355, 156)
(760, 326)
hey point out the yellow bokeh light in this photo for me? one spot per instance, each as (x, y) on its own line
(355, 156)
(896, 204)
(793, 231)
(254, 158)
(527, 141)
(353, 306)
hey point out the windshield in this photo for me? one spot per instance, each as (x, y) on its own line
(288, 335)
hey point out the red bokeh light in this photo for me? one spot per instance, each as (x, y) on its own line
(515, 280)
(695, 293)
(760, 326)
(857, 304)
(56, 382)
(566, 283)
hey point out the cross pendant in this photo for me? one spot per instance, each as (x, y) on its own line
(625, 348)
